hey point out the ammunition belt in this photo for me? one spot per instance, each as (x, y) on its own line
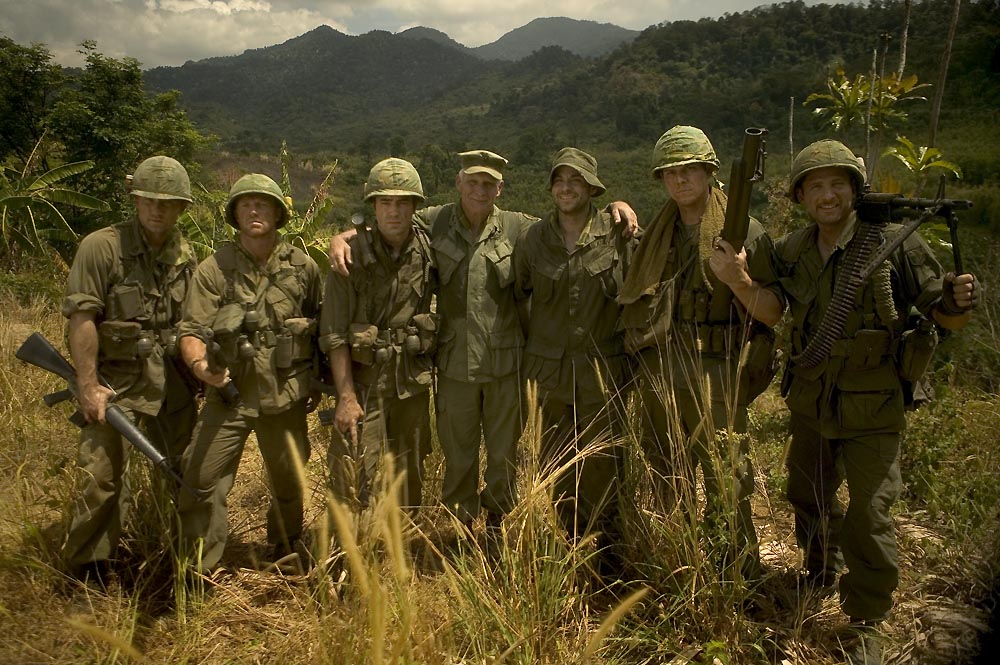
(867, 238)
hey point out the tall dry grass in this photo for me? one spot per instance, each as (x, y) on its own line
(388, 589)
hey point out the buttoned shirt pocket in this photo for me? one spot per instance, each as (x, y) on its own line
(506, 348)
(448, 257)
(869, 400)
(499, 257)
(601, 263)
(544, 280)
(542, 362)
(803, 396)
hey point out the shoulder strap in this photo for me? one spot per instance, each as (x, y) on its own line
(225, 257)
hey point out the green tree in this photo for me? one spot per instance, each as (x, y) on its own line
(29, 215)
(106, 117)
(28, 80)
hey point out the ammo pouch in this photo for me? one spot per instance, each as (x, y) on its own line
(917, 350)
(361, 338)
(126, 302)
(427, 327)
(294, 343)
(761, 361)
(119, 340)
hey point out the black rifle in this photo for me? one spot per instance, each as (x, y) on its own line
(747, 169)
(39, 352)
(229, 393)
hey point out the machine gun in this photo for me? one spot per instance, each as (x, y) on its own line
(746, 170)
(868, 249)
(38, 351)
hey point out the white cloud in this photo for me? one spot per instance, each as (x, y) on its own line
(170, 32)
(217, 6)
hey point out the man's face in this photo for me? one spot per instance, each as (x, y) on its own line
(478, 191)
(393, 215)
(257, 215)
(570, 191)
(687, 184)
(827, 194)
(158, 216)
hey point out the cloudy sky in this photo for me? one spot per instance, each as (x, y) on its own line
(170, 32)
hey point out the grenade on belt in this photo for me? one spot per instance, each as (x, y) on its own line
(382, 354)
(144, 345)
(412, 342)
(244, 348)
(252, 321)
(170, 344)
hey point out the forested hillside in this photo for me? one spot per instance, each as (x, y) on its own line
(332, 92)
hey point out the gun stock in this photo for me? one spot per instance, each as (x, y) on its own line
(747, 169)
(38, 351)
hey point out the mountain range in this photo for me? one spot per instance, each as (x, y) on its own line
(539, 87)
(583, 38)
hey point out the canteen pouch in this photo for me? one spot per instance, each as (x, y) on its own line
(917, 350)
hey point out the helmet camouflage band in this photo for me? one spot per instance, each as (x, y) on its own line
(161, 177)
(822, 154)
(394, 177)
(256, 183)
(680, 145)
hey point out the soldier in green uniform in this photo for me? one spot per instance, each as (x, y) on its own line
(571, 265)
(692, 384)
(123, 302)
(479, 390)
(847, 411)
(257, 298)
(378, 331)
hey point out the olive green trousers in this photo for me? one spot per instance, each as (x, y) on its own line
(99, 510)
(210, 465)
(863, 537)
(468, 415)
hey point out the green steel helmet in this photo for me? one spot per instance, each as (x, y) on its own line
(822, 154)
(394, 177)
(680, 145)
(256, 183)
(161, 177)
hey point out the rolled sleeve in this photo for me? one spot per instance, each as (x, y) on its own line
(90, 275)
(339, 301)
(203, 298)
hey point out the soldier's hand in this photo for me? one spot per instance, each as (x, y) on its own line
(94, 400)
(728, 265)
(340, 255)
(346, 417)
(622, 213)
(217, 379)
(960, 293)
